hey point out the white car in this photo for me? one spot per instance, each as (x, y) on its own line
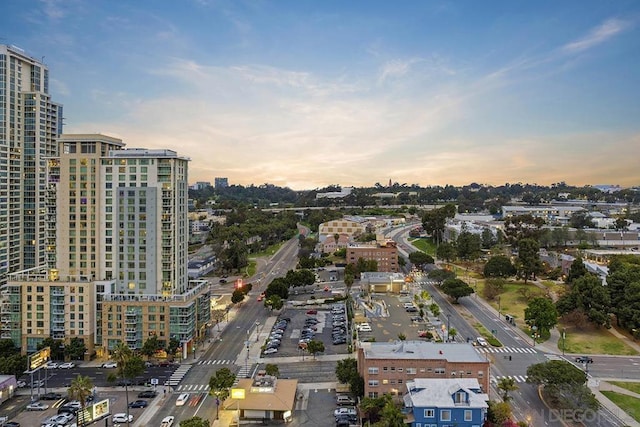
(344, 411)
(364, 327)
(167, 421)
(37, 406)
(182, 399)
(67, 365)
(110, 365)
(21, 384)
(122, 418)
(270, 350)
(481, 341)
(51, 365)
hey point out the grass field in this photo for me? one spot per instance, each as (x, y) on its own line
(631, 386)
(628, 404)
(594, 341)
(424, 245)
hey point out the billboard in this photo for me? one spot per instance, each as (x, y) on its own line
(94, 412)
(39, 358)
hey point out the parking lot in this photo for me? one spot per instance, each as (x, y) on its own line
(296, 327)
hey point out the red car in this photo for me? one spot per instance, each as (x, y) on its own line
(312, 312)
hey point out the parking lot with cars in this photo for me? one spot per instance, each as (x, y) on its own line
(295, 328)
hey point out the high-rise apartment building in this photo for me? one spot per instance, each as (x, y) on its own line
(117, 241)
(220, 182)
(29, 125)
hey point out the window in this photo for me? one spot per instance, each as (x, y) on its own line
(411, 371)
(445, 415)
(373, 370)
(468, 415)
(373, 383)
(460, 397)
(429, 413)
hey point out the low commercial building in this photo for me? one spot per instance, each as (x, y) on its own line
(264, 398)
(387, 366)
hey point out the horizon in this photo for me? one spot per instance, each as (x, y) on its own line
(306, 95)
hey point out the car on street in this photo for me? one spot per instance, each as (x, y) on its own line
(110, 365)
(222, 280)
(121, 418)
(584, 359)
(182, 399)
(51, 396)
(37, 406)
(148, 394)
(138, 404)
(364, 327)
(167, 421)
(67, 365)
(482, 342)
(11, 424)
(312, 311)
(51, 365)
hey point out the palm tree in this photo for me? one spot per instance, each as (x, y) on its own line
(122, 354)
(81, 388)
(506, 384)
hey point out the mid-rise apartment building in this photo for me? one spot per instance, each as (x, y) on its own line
(30, 122)
(384, 253)
(387, 366)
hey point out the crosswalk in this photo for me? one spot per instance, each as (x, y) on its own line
(215, 362)
(194, 388)
(517, 378)
(178, 375)
(244, 372)
(506, 350)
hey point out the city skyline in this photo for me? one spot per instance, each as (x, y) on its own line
(306, 95)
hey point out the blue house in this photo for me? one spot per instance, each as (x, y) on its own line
(436, 402)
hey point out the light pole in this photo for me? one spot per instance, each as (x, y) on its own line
(448, 326)
(498, 306)
(534, 328)
(564, 335)
(246, 361)
(257, 330)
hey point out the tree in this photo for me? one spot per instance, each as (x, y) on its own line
(56, 347)
(521, 227)
(391, 415)
(272, 369)
(173, 346)
(623, 283)
(274, 302)
(589, 296)
(576, 270)
(441, 275)
(195, 422)
(76, 349)
(446, 251)
(420, 258)
(555, 373)
(528, 258)
(468, 246)
(434, 221)
(499, 266)
(581, 220)
(456, 289)
(151, 346)
(81, 388)
(129, 367)
(541, 313)
(314, 347)
(347, 373)
(498, 412)
(507, 385)
(219, 385)
(237, 296)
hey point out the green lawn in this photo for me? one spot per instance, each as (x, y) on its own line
(425, 245)
(634, 387)
(628, 404)
(594, 341)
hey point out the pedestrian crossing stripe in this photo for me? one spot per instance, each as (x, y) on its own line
(193, 388)
(215, 362)
(507, 350)
(516, 378)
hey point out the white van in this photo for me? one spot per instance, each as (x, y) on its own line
(364, 327)
(182, 399)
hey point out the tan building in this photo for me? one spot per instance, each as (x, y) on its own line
(386, 367)
(263, 398)
(384, 253)
(341, 226)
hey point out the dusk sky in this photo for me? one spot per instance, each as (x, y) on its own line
(306, 94)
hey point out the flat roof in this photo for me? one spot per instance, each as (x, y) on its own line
(426, 350)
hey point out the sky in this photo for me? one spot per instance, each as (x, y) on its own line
(305, 94)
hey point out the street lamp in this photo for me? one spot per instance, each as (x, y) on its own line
(257, 330)
(564, 335)
(534, 328)
(246, 361)
(448, 325)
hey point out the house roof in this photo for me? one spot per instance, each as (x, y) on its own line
(282, 398)
(437, 392)
(451, 352)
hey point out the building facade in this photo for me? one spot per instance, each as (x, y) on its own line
(445, 402)
(387, 366)
(340, 226)
(384, 253)
(30, 122)
(117, 236)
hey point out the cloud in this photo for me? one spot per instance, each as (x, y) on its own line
(396, 68)
(596, 36)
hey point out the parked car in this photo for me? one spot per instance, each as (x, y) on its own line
(149, 394)
(21, 384)
(121, 418)
(67, 410)
(37, 406)
(51, 396)
(312, 312)
(110, 365)
(11, 424)
(51, 365)
(67, 365)
(75, 404)
(344, 400)
(345, 411)
(584, 359)
(270, 350)
(138, 404)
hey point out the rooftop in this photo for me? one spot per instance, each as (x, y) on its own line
(451, 352)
